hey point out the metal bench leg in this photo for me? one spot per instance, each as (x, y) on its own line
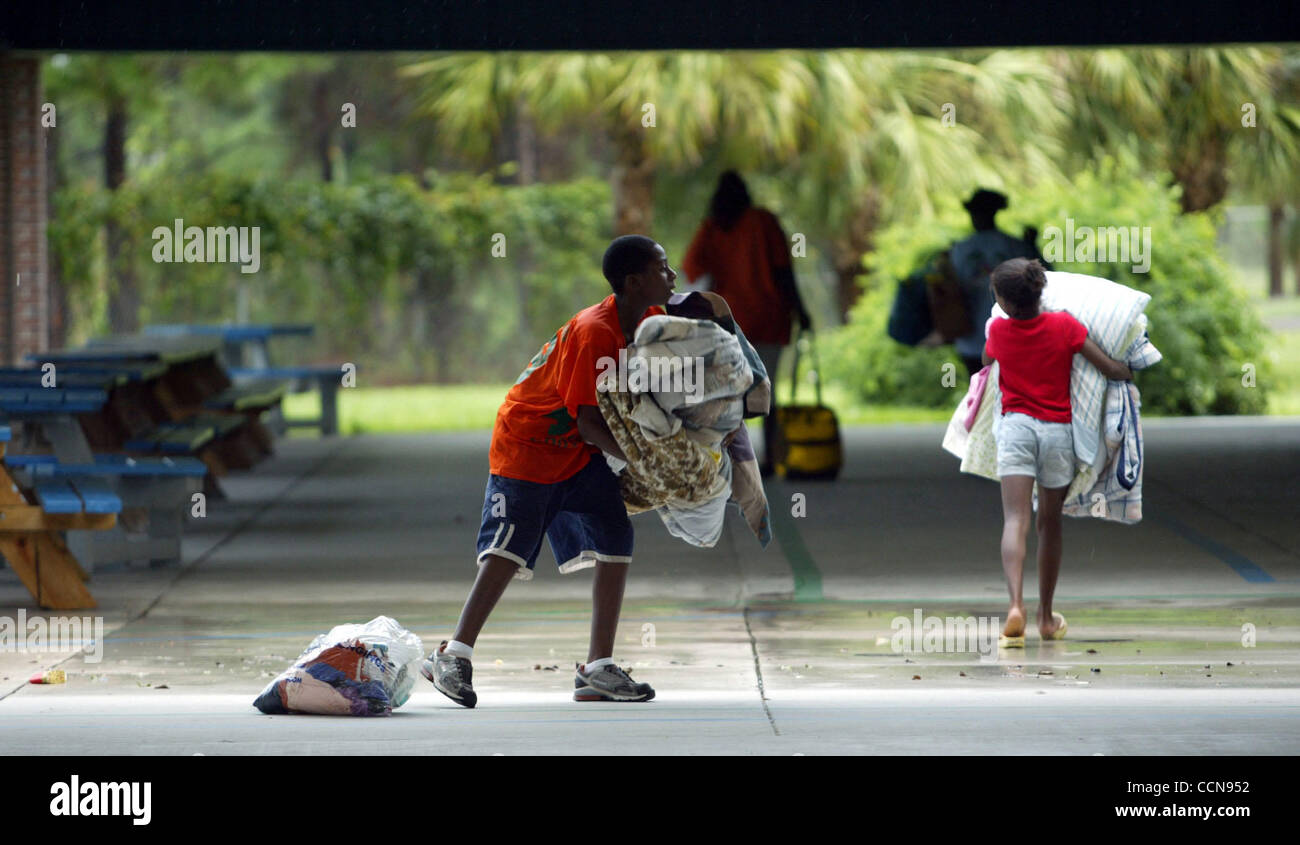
(68, 440)
(275, 421)
(165, 534)
(329, 405)
(81, 544)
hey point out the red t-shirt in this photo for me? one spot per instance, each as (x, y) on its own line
(743, 261)
(1034, 358)
(536, 433)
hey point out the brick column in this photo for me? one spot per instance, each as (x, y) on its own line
(24, 307)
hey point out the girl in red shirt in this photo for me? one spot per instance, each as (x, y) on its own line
(1035, 351)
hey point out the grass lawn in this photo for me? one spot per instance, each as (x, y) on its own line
(472, 407)
(421, 407)
(466, 407)
(1284, 396)
(1282, 315)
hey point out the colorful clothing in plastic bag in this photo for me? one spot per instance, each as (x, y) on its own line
(354, 670)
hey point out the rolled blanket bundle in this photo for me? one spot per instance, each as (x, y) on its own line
(672, 470)
(704, 377)
(671, 426)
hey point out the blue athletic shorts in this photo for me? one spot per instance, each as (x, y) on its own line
(583, 517)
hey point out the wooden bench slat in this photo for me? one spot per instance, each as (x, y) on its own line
(128, 466)
(31, 462)
(97, 495)
(109, 466)
(255, 394)
(222, 424)
(34, 518)
(57, 496)
(173, 438)
(288, 372)
(185, 439)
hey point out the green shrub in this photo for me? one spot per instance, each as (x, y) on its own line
(887, 372)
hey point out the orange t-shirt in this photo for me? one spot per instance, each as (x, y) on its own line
(742, 261)
(536, 433)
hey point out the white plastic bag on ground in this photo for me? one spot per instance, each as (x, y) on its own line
(354, 670)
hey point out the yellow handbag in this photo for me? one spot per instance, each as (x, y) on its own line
(808, 441)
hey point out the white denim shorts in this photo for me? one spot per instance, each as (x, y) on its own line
(1029, 446)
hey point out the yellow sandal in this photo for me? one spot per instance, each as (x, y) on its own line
(1061, 629)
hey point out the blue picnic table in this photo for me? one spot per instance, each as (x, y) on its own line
(32, 526)
(247, 356)
(71, 479)
(36, 401)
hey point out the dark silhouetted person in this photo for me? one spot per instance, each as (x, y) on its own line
(973, 259)
(744, 253)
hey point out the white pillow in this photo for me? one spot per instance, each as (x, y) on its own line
(1106, 308)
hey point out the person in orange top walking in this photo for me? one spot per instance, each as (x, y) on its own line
(547, 479)
(744, 252)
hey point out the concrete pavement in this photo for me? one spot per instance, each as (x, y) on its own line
(1184, 630)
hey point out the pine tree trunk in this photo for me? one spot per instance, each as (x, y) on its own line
(1293, 241)
(1276, 217)
(57, 293)
(634, 183)
(1201, 170)
(526, 146)
(123, 294)
(848, 250)
(846, 287)
(323, 118)
(435, 291)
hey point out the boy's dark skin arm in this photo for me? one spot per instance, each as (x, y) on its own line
(592, 429)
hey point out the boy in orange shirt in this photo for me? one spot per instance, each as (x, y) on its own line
(547, 477)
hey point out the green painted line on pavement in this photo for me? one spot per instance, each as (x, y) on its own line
(807, 577)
